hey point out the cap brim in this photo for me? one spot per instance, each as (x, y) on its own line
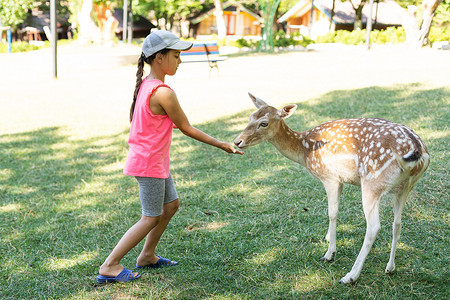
(181, 45)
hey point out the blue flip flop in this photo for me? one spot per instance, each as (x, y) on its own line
(162, 262)
(125, 275)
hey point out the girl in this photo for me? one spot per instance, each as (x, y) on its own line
(154, 112)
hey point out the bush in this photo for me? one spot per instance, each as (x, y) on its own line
(327, 38)
(18, 47)
(281, 39)
(242, 42)
(358, 37)
(439, 34)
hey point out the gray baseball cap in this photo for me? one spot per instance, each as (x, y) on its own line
(162, 39)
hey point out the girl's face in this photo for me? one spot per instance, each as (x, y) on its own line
(170, 62)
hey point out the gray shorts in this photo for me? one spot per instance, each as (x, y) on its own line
(154, 193)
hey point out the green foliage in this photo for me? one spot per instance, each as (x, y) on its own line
(171, 9)
(285, 6)
(358, 37)
(13, 13)
(442, 16)
(281, 39)
(22, 46)
(268, 10)
(242, 42)
(439, 34)
(18, 47)
(75, 8)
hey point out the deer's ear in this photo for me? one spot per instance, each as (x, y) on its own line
(258, 102)
(287, 111)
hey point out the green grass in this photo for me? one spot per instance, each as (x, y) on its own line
(249, 227)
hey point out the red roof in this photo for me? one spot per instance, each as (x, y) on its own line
(387, 12)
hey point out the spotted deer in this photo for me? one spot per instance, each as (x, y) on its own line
(380, 156)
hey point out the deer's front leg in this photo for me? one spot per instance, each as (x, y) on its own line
(333, 190)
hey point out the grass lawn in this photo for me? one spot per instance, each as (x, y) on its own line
(249, 227)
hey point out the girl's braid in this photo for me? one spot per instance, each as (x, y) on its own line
(139, 74)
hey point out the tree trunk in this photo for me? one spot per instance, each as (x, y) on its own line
(358, 18)
(358, 14)
(220, 23)
(332, 14)
(369, 24)
(430, 7)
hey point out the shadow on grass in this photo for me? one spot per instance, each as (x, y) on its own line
(62, 201)
(248, 227)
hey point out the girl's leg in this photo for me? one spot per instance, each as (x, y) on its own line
(111, 266)
(147, 255)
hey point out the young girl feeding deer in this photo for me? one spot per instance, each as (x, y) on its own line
(154, 112)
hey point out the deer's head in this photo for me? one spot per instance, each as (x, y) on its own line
(264, 123)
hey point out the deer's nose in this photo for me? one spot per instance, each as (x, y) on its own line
(238, 142)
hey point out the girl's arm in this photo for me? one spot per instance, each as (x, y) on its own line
(168, 101)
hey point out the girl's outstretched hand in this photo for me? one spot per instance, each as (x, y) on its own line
(230, 148)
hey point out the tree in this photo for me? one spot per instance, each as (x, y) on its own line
(358, 13)
(171, 11)
(332, 13)
(220, 23)
(13, 13)
(430, 7)
(268, 9)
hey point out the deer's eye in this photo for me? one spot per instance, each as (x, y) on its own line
(263, 124)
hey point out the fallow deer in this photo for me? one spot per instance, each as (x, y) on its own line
(380, 156)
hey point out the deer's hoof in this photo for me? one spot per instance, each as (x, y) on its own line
(390, 270)
(328, 258)
(347, 279)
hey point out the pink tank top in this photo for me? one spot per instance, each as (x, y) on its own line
(150, 137)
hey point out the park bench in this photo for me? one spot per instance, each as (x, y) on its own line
(204, 52)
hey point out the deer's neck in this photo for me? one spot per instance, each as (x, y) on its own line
(289, 143)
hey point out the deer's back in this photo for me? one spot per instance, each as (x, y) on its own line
(365, 148)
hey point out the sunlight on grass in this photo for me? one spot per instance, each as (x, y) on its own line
(406, 248)
(12, 207)
(311, 282)
(346, 227)
(424, 215)
(346, 242)
(5, 174)
(267, 257)
(213, 226)
(66, 263)
(182, 148)
(116, 167)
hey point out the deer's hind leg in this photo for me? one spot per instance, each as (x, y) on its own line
(399, 203)
(371, 201)
(334, 190)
